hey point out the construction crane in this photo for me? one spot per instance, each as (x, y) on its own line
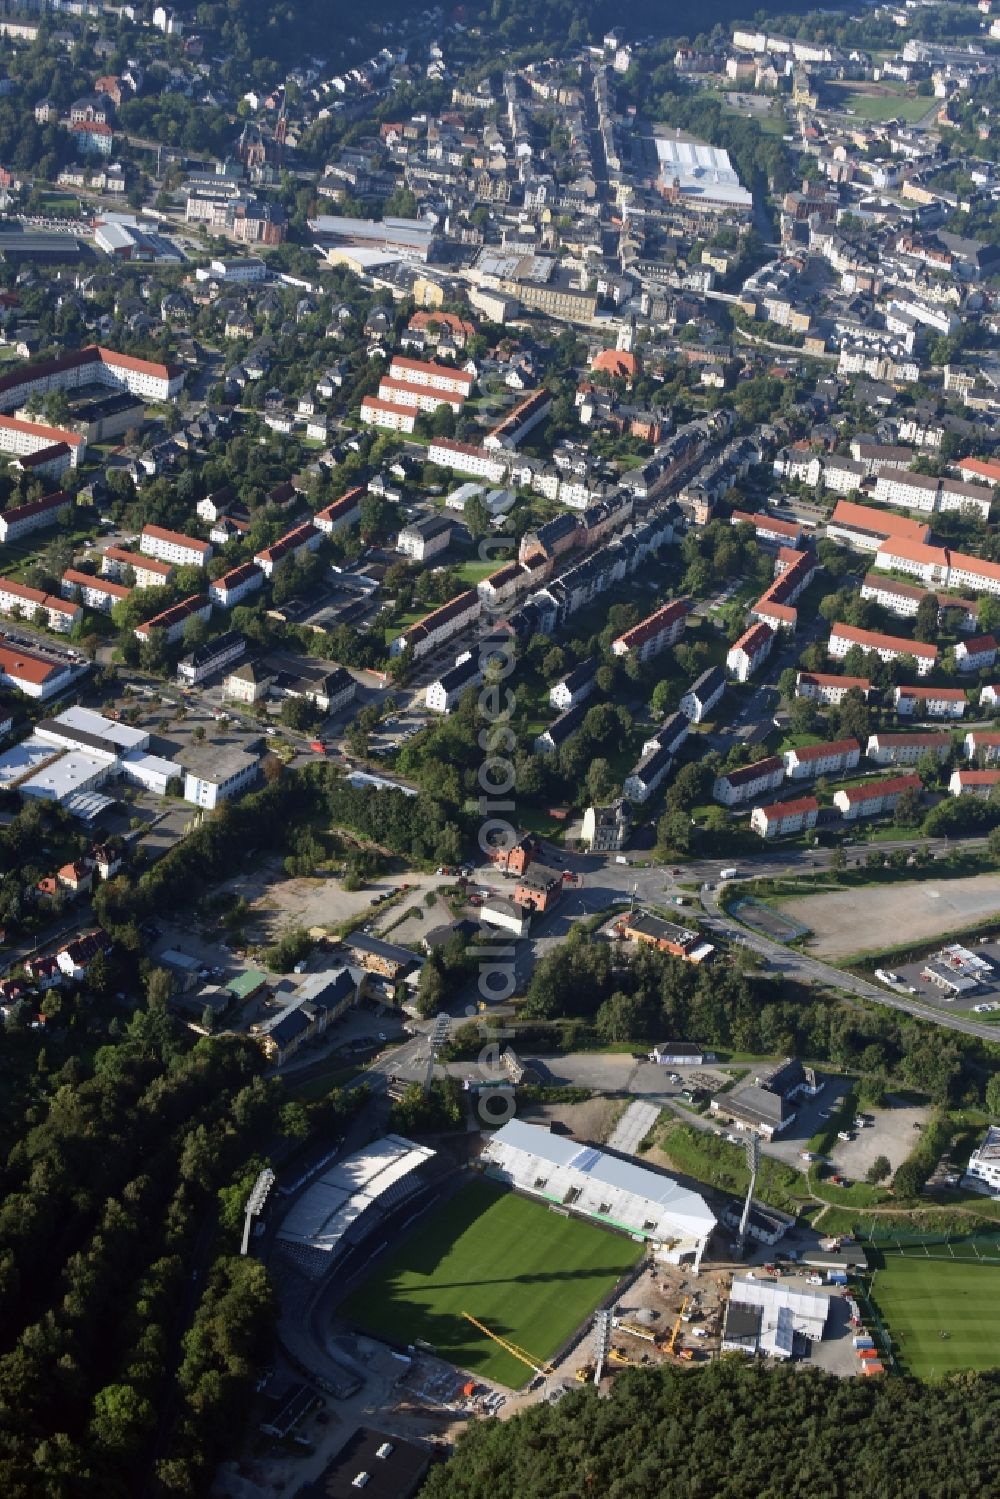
(509, 1347)
(672, 1345)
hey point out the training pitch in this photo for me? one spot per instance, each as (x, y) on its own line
(531, 1275)
(921, 1299)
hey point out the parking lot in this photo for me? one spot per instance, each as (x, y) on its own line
(894, 1134)
(812, 1115)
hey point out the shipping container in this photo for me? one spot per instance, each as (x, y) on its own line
(873, 1368)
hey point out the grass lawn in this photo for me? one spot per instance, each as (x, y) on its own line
(472, 573)
(919, 1299)
(717, 1162)
(530, 1275)
(884, 105)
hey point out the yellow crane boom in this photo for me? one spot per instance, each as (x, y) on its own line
(509, 1347)
(672, 1345)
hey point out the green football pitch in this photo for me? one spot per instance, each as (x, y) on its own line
(530, 1275)
(942, 1315)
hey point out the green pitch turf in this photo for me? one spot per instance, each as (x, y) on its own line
(919, 1299)
(530, 1275)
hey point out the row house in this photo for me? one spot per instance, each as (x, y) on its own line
(438, 626)
(828, 688)
(750, 651)
(649, 772)
(445, 692)
(887, 647)
(703, 694)
(172, 621)
(215, 655)
(979, 783)
(939, 567)
(812, 760)
(303, 538)
(982, 745)
(18, 601)
(976, 654)
(874, 798)
(671, 734)
(904, 599)
(930, 702)
(174, 547)
(575, 687)
(236, 585)
(502, 587)
(908, 749)
(865, 529)
(930, 494)
(785, 818)
(92, 592)
(392, 415)
(516, 425)
(20, 520)
(653, 634)
(148, 572)
(346, 511)
(421, 397)
(734, 787)
(989, 696)
(769, 529)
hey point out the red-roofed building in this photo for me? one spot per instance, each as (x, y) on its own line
(811, 760)
(828, 688)
(235, 585)
(21, 519)
(750, 651)
(734, 787)
(172, 621)
(934, 702)
(339, 513)
(873, 798)
(769, 529)
(653, 634)
(303, 538)
(785, 818)
(174, 547)
(975, 654)
(982, 745)
(375, 412)
(886, 647)
(434, 376)
(973, 782)
(618, 363)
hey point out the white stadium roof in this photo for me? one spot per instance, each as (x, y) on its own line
(326, 1210)
(640, 1198)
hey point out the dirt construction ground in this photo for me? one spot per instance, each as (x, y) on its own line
(844, 922)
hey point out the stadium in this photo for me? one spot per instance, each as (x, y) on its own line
(499, 1268)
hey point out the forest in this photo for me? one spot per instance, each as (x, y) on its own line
(736, 1430)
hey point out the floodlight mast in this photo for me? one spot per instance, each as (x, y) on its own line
(255, 1204)
(753, 1166)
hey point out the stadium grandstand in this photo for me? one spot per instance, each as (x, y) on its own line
(602, 1187)
(346, 1202)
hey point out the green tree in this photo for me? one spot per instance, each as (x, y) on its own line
(880, 1170)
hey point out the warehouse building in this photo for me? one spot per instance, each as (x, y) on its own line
(764, 1316)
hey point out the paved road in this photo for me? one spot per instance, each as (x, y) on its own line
(812, 971)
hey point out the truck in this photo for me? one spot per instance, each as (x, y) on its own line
(728, 874)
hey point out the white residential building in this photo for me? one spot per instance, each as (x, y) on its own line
(874, 798)
(907, 749)
(174, 547)
(785, 818)
(934, 702)
(973, 782)
(982, 1173)
(886, 647)
(734, 787)
(811, 760)
(825, 687)
(750, 651)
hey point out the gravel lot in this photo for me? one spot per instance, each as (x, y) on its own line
(893, 1135)
(844, 922)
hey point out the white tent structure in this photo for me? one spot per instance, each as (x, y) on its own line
(619, 1193)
